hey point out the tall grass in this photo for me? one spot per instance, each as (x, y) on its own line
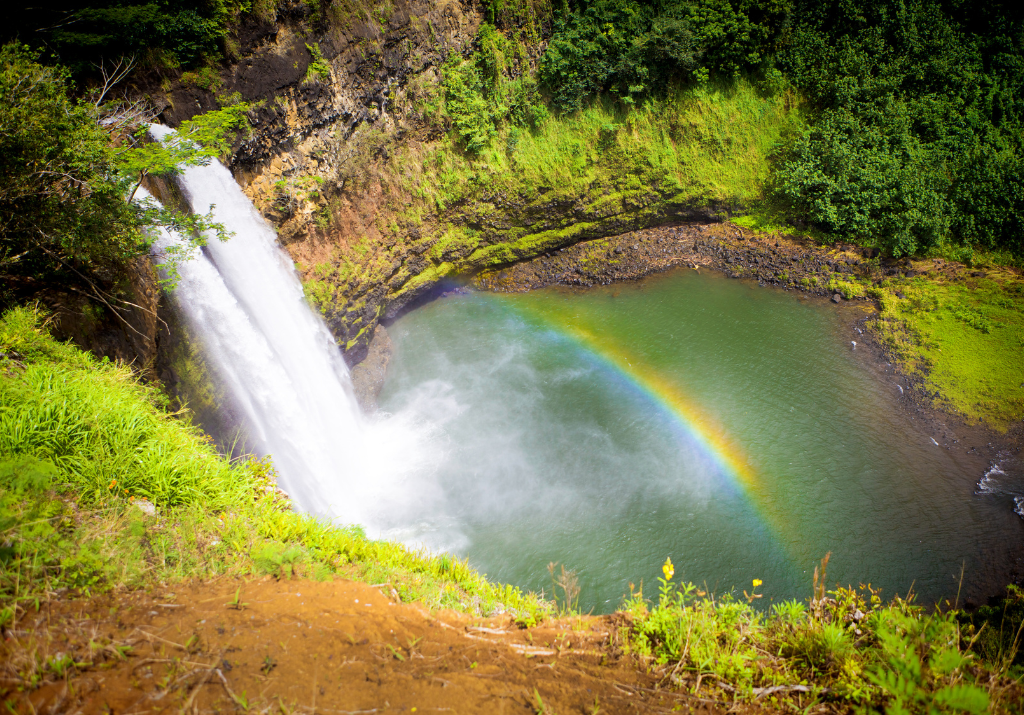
(106, 437)
(81, 439)
(700, 145)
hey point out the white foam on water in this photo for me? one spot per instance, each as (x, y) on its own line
(285, 375)
(990, 482)
(996, 481)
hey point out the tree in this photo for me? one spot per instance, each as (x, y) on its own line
(68, 172)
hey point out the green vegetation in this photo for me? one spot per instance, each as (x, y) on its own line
(962, 337)
(492, 88)
(695, 148)
(319, 70)
(68, 171)
(60, 199)
(86, 450)
(82, 441)
(915, 134)
(633, 49)
(846, 646)
(917, 139)
(162, 32)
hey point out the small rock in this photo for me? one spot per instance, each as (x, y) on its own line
(836, 298)
(618, 249)
(636, 246)
(146, 506)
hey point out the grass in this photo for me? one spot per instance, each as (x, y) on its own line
(102, 488)
(83, 444)
(569, 178)
(962, 336)
(845, 647)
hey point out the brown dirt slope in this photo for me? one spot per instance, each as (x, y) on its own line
(297, 646)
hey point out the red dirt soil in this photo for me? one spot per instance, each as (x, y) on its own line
(298, 646)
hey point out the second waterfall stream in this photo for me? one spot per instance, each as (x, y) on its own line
(284, 375)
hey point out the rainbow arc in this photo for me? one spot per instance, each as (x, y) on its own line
(671, 399)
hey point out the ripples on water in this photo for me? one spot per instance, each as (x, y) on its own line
(589, 429)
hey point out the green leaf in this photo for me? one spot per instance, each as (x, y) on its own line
(964, 697)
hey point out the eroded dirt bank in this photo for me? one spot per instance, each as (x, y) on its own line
(294, 646)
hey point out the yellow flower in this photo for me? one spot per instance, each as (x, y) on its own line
(757, 582)
(668, 569)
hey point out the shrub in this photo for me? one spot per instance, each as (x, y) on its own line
(319, 69)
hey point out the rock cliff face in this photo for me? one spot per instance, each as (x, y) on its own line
(330, 94)
(117, 320)
(346, 112)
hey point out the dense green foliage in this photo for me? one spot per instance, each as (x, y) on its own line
(632, 48)
(61, 198)
(919, 139)
(78, 33)
(82, 439)
(69, 169)
(492, 88)
(916, 134)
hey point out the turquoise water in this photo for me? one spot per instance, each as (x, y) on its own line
(732, 428)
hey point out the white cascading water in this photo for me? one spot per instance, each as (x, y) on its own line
(242, 299)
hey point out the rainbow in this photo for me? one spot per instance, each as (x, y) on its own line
(699, 427)
(711, 438)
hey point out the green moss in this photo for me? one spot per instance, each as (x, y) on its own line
(695, 147)
(965, 341)
(847, 289)
(454, 243)
(427, 277)
(320, 294)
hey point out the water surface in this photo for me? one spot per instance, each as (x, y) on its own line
(732, 428)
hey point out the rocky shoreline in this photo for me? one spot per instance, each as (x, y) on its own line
(778, 260)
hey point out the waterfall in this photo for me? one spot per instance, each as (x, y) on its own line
(279, 365)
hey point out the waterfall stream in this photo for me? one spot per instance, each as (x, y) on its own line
(285, 376)
(605, 430)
